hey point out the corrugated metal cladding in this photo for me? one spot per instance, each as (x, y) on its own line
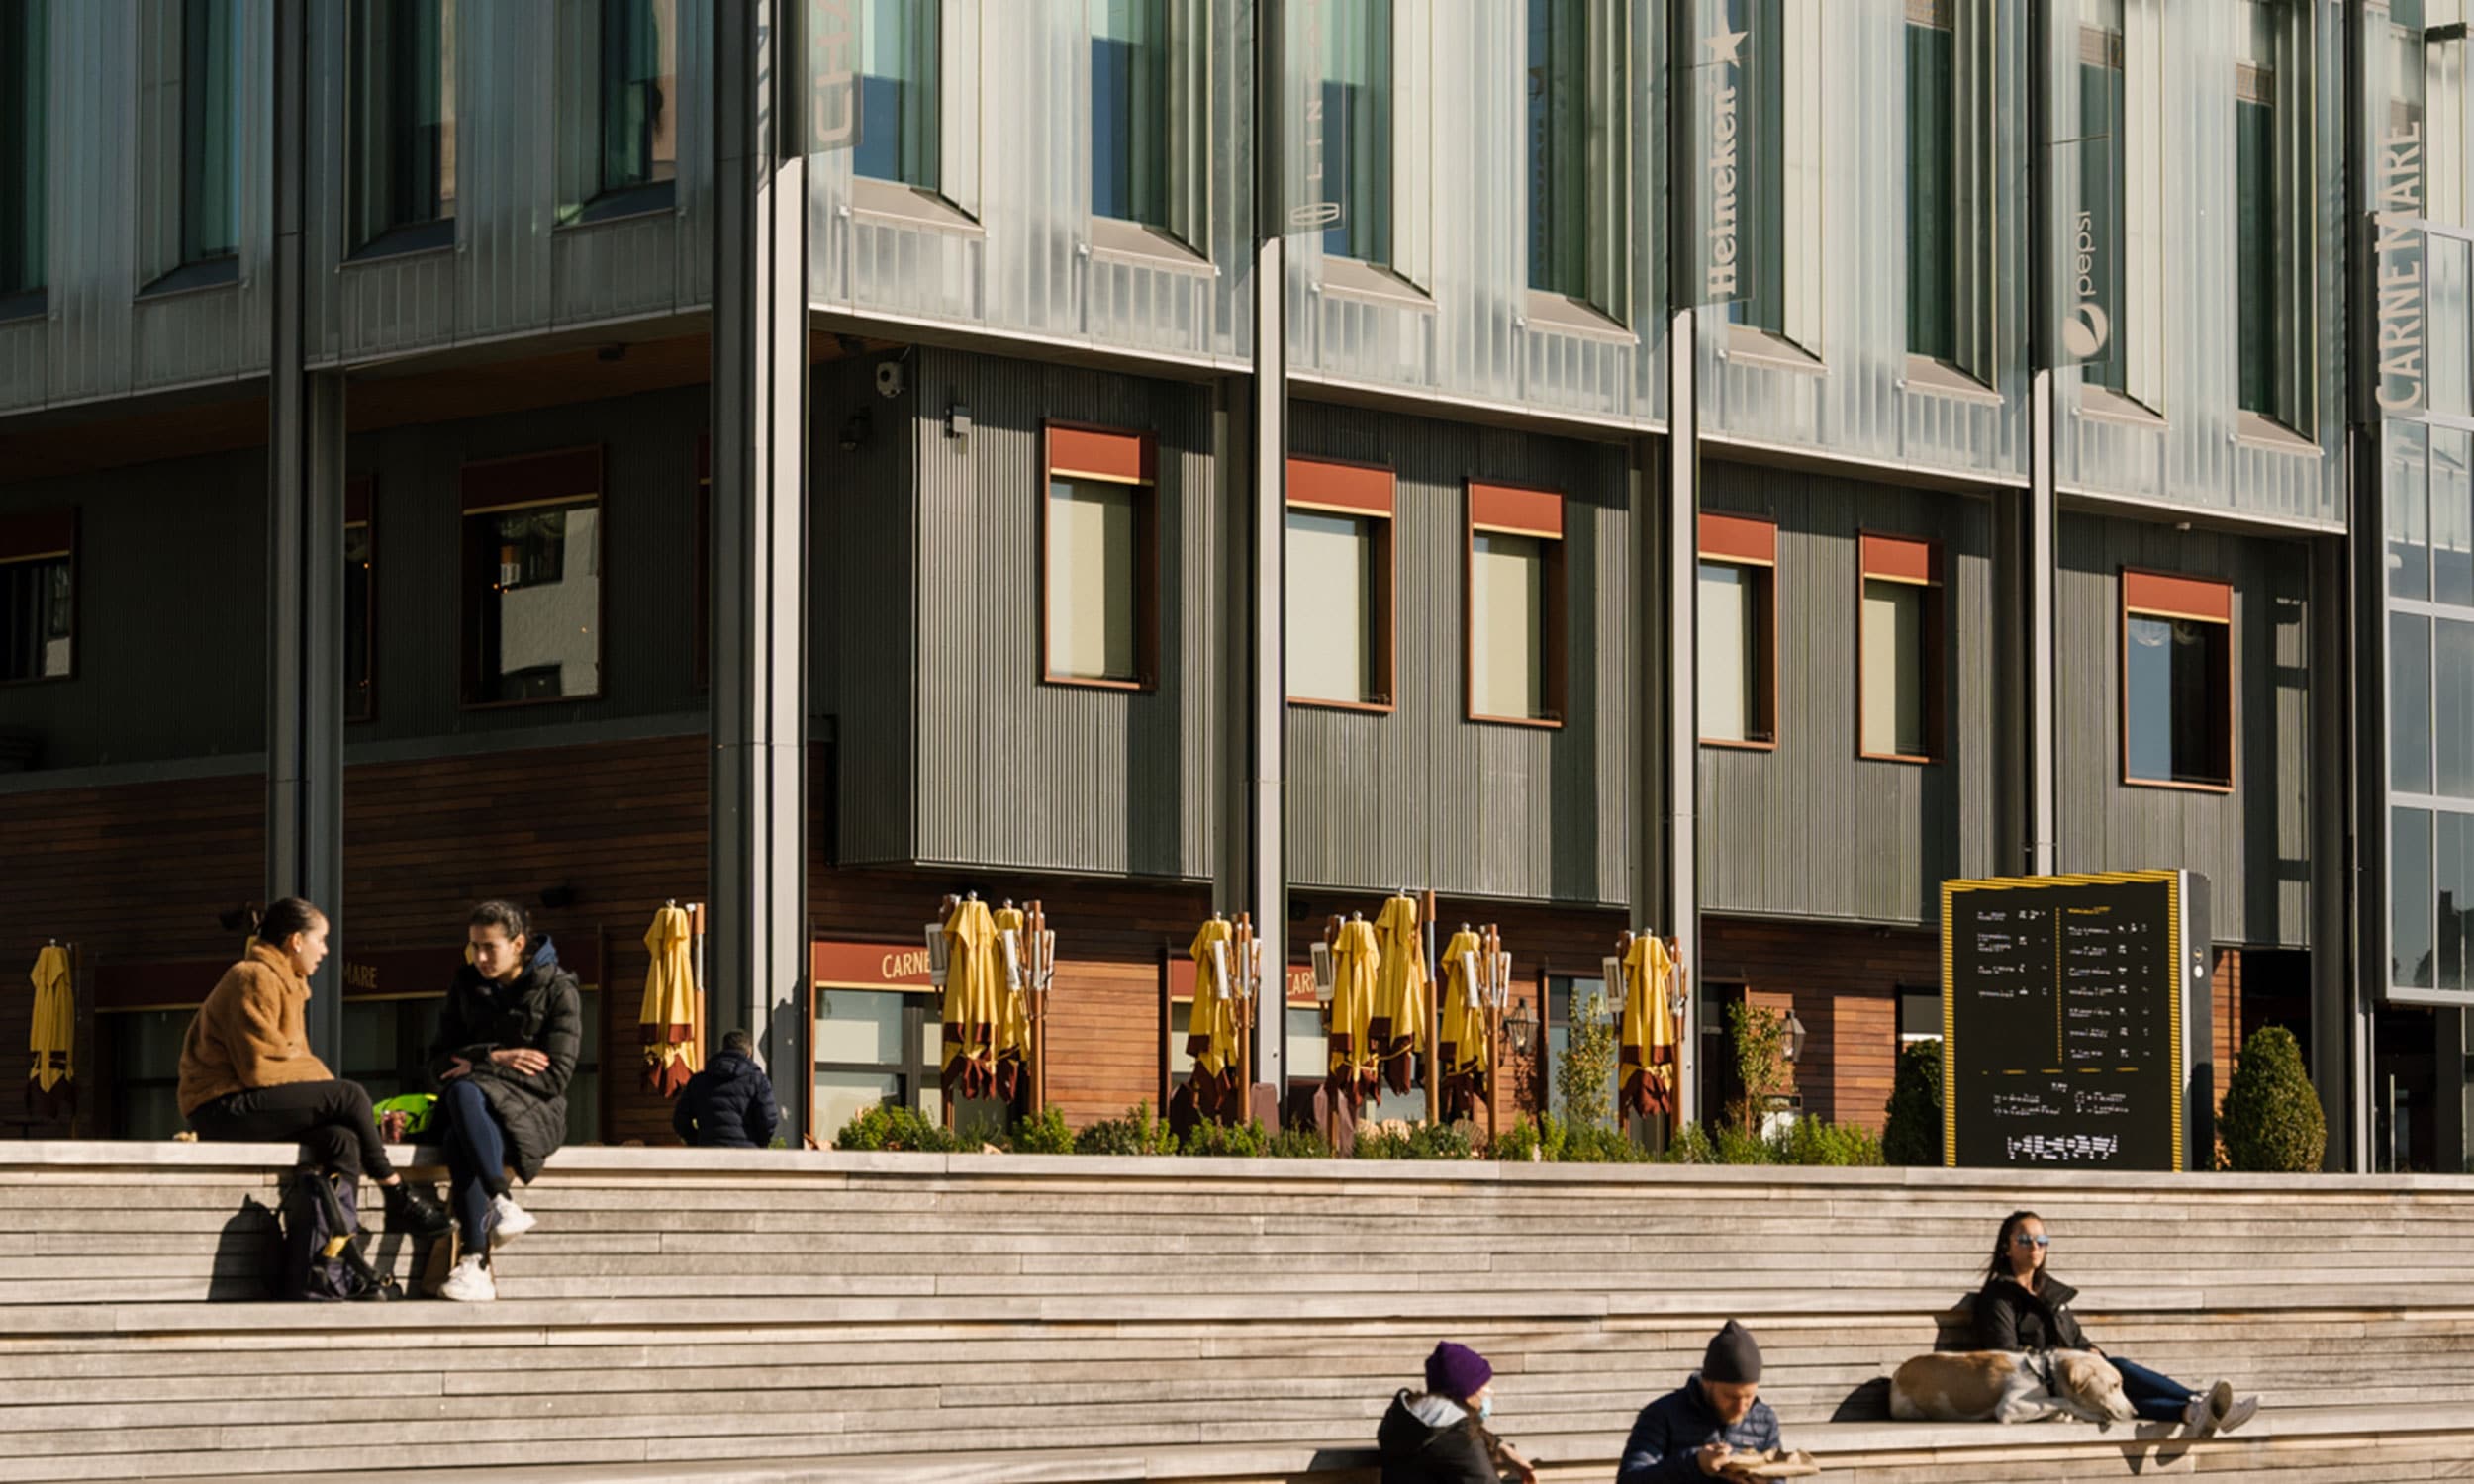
(1457, 317)
(2189, 453)
(1811, 829)
(1423, 798)
(2253, 842)
(864, 602)
(1011, 248)
(649, 561)
(1856, 399)
(1010, 771)
(509, 270)
(184, 537)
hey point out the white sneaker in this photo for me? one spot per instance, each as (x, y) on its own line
(509, 1221)
(2199, 1416)
(470, 1282)
(2238, 1414)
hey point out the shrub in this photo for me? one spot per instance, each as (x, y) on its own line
(1297, 1144)
(1518, 1144)
(1393, 1139)
(1584, 1076)
(1044, 1134)
(1759, 1042)
(891, 1127)
(1597, 1143)
(1812, 1141)
(1137, 1132)
(1736, 1146)
(1245, 1140)
(1913, 1135)
(1690, 1145)
(2272, 1122)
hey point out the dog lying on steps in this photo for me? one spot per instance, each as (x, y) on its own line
(2009, 1386)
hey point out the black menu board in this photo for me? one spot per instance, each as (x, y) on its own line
(2065, 1019)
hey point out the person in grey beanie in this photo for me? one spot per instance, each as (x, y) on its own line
(1690, 1432)
(1439, 1436)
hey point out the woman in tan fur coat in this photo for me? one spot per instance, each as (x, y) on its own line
(246, 1072)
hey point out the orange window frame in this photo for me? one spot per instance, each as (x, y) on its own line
(1750, 542)
(1513, 510)
(2177, 596)
(1370, 491)
(1916, 561)
(1105, 455)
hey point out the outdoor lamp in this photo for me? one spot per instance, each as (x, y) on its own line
(1795, 1036)
(937, 952)
(1322, 974)
(1522, 1030)
(1611, 970)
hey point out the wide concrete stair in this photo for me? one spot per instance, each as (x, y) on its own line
(768, 1317)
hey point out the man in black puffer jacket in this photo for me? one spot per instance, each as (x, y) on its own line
(730, 1103)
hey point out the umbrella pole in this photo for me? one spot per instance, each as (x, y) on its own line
(1434, 1023)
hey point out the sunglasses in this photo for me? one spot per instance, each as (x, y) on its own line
(2023, 1240)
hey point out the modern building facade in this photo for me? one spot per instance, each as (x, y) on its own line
(1714, 466)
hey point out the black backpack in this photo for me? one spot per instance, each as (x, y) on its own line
(322, 1243)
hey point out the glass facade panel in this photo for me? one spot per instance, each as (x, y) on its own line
(1762, 243)
(2452, 516)
(1507, 625)
(1894, 669)
(37, 615)
(1932, 211)
(403, 120)
(25, 121)
(1357, 130)
(1558, 148)
(1568, 998)
(2410, 931)
(2255, 209)
(374, 1046)
(639, 75)
(859, 1025)
(1129, 100)
(2409, 704)
(1309, 1049)
(1092, 577)
(2176, 701)
(584, 1089)
(2453, 708)
(898, 133)
(844, 1095)
(2101, 174)
(534, 575)
(1331, 607)
(2446, 260)
(2406, 500)
(212, 140)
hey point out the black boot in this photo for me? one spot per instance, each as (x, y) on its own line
(412, 1210)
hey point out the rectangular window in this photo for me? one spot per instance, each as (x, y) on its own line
(1932, 182)
(1099, 559)
(1515, 637)
(360, 604)
(1919, 1015)
(1309, 1046)
(1559, 147)
(403, 123)
(1339, 580)
(2101, 174)
(875, 1047)
(618, 116)
(900, 43)
(532, 577)
(1737, 622)
(1358, 173)
(38, 598)
(1900, 644)
(2177, 681)
(211, 139)
(1568, 998)
(23, 141)
(2411, 949)
(1129, 103)
(2256, 210)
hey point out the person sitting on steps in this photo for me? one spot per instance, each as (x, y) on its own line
(505, 1049)
(1439, 1436)
(246, 1072)
(730, 1103)
(2025, 1308)
(1692, 1432)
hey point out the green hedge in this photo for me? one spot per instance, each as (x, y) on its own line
(2270, 1122)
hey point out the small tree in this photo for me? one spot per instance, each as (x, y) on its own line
(2272, 1122)
(1912, 1134)
(1761, 1059)
(1585, 1074)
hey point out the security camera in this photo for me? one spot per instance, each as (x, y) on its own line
(889, 379)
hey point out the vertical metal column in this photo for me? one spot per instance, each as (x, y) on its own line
(758, 841)
(1680, 540)
(2034, 600)
(303, 560)
(1267, 884)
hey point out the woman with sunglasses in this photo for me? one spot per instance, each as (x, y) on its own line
(2025, 1308)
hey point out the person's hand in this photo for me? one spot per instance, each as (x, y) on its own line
(1713, 1459)
(1514, 1464)
(521, 1059)
(456, 1066)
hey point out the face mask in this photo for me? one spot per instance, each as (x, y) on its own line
(1485, 1409)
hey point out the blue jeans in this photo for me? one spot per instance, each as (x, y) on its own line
(2157, 1397)
(476, 1160)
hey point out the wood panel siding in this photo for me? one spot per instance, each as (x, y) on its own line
(1842, 982)
(1809, 828)
(1421, 795)
(2253, 842)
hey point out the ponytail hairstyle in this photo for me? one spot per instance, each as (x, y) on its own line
(2000, 1266)
(283, 918)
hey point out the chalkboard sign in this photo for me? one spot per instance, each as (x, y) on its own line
(2076, 1021)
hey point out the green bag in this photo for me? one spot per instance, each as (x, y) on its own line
(416, 1108)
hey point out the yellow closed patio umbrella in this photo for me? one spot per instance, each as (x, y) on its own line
(1398, 1031)
(669, 1019)
(1647, 1065)
(1211, 1022)
(1355, 960)
(50, 1087)
(1463, 1027)
(974, 1007)
(1013, 1018)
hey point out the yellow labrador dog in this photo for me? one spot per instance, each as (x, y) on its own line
(2009, 1386)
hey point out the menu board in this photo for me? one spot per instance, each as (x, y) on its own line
(2069, 1021)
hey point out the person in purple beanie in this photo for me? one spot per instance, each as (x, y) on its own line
(1439, 1436)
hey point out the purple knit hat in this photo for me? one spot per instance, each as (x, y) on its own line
(1457, 1371)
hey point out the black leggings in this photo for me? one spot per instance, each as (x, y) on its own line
(331, 1120)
